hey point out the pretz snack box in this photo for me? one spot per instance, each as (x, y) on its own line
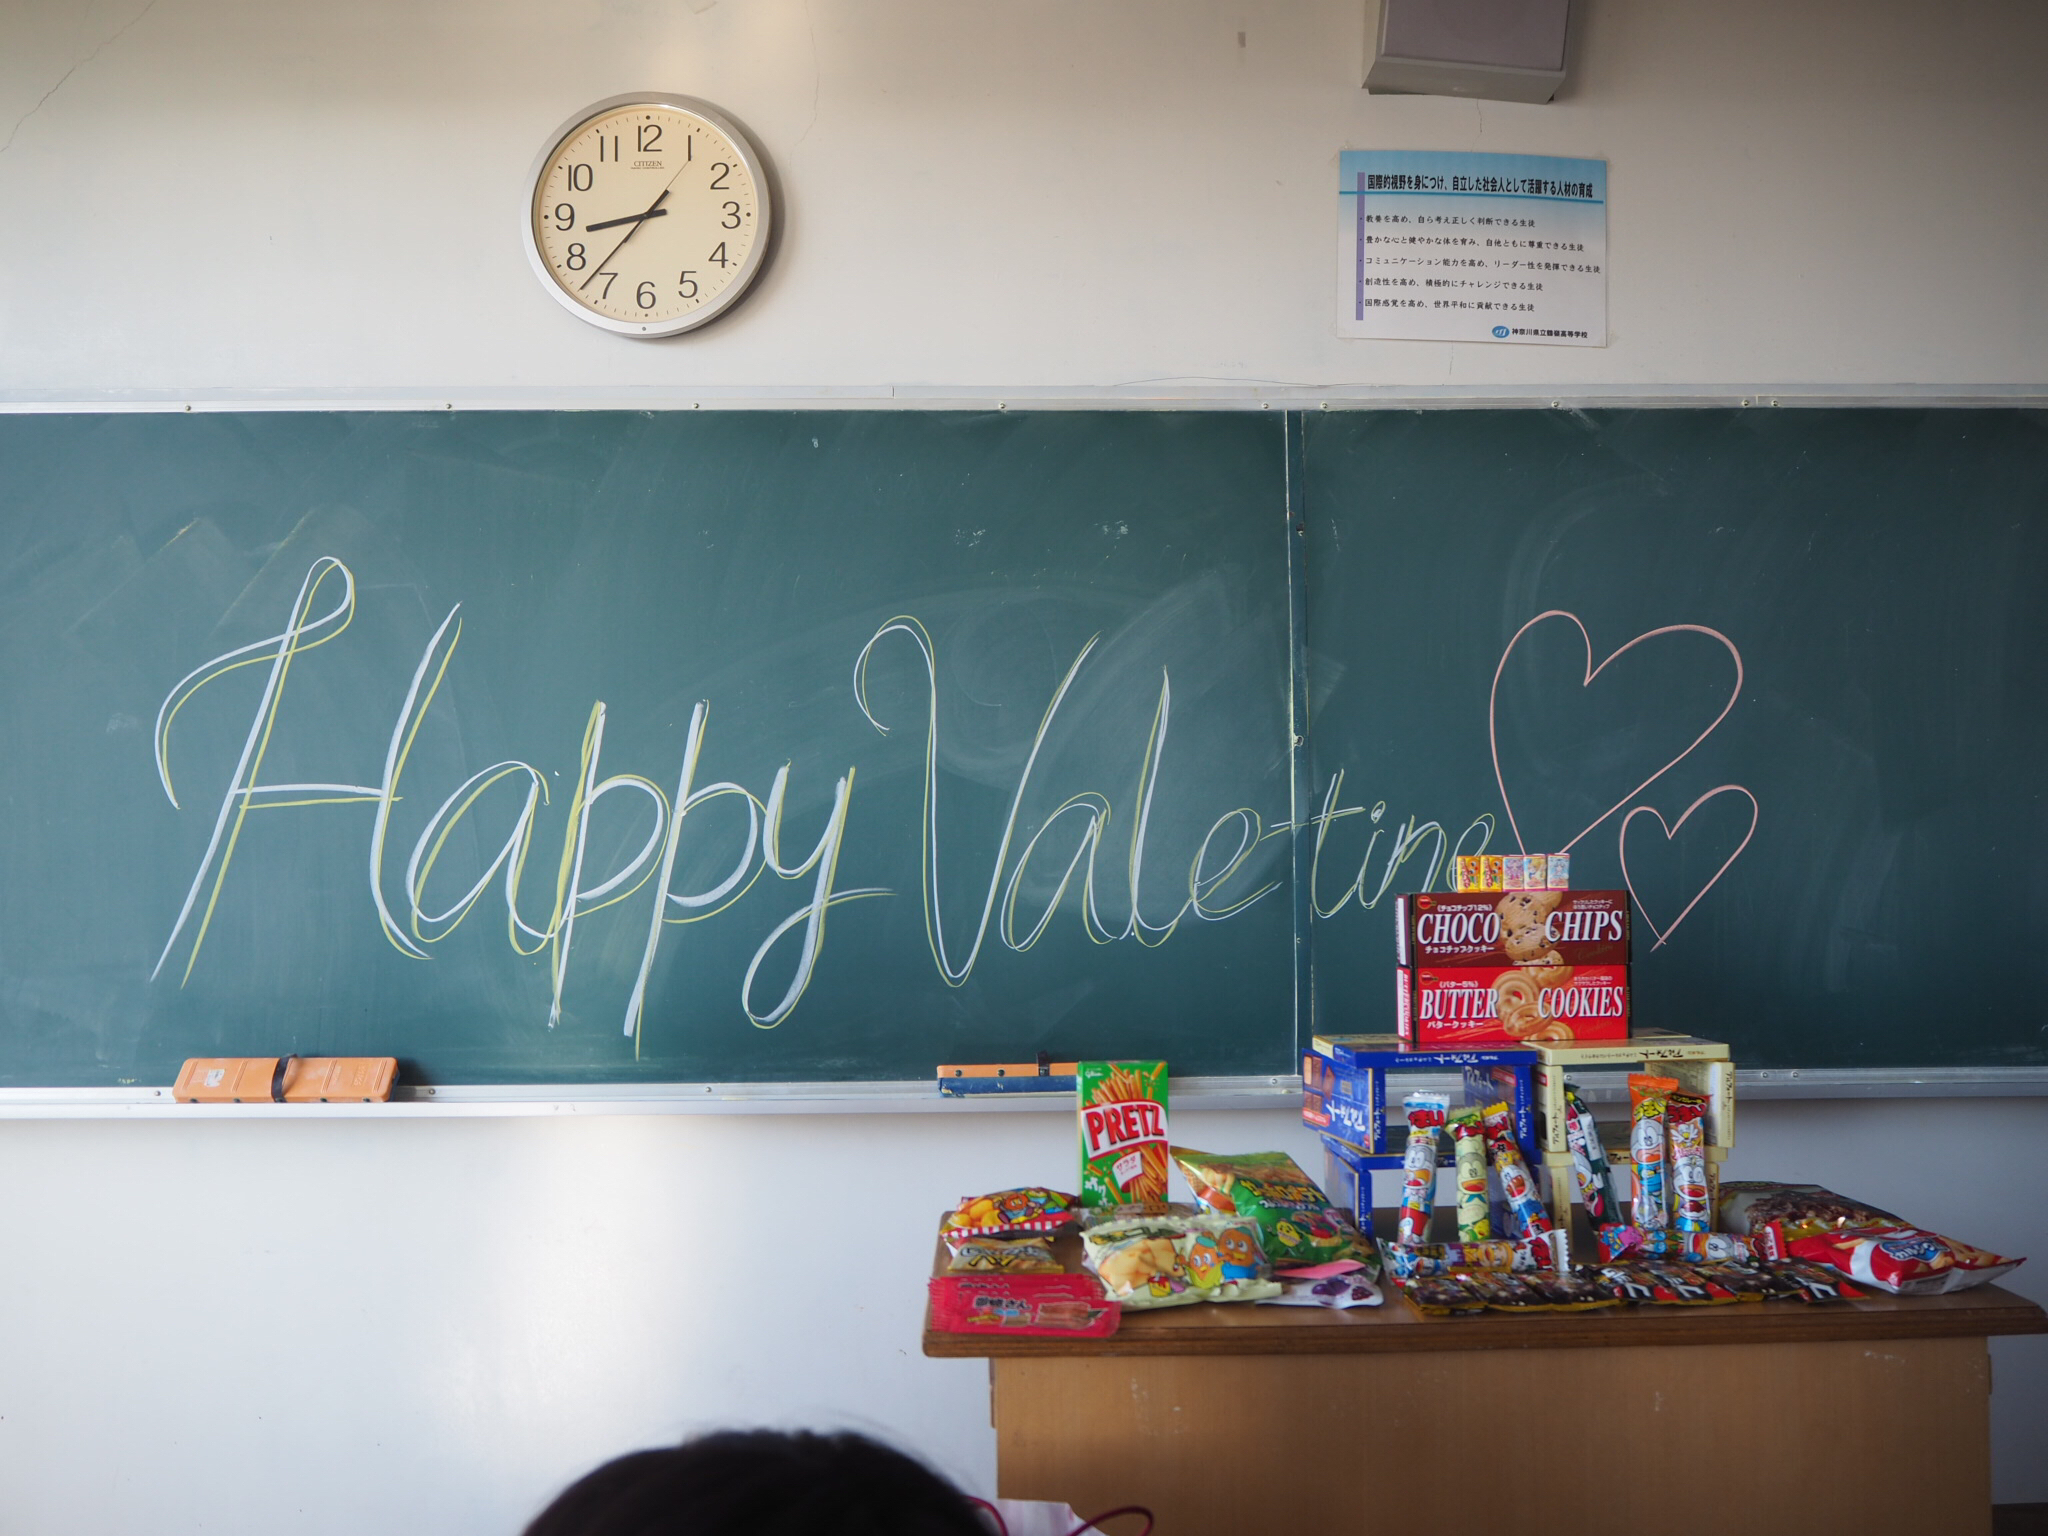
(1511, 928)
(1441, 1008)
(1123, 1132)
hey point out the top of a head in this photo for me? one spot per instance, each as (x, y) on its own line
(762, 1483)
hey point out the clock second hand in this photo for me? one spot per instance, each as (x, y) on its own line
(638, 219)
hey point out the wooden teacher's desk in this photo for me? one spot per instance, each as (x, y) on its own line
(1869, 1416)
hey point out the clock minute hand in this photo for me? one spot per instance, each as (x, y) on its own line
(637, 222)
(631, 218)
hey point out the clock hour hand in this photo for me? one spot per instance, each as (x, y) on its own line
(631, 218)
(653, 208)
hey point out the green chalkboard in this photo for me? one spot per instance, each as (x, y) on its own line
(367, 733)
(1880, 580)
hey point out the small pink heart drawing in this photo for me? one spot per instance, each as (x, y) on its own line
(1670, 831)
(1493, 700)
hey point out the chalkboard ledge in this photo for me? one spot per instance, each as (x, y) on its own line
(498, 1100)
(541, 1099)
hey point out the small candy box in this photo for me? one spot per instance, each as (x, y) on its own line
(1123, 1132)
(1492, 872)
(1535, 871)
(1512, 866)
(1559, 872)
(1468, 873)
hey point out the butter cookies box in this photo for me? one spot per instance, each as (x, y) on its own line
(1123, 1132)
(1509, 928)
(1449, 1007)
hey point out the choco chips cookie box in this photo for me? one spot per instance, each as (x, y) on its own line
(1509, 928)
(1444, 1007)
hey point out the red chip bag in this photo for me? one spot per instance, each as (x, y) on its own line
(1903, 1260)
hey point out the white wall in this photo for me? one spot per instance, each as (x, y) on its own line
(278, 198)
(240, 195)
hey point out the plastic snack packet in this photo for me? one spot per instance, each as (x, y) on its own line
(1589, 1160)
(1139, 1262)
(1001, 1256)
(1903, 1260)
(1442, 1296)
(1418, 1166)
(1505, 1293)
(1009, 1212)
(1123, 1131)
(1686, 1116)
(1516, 1184)
(1427, 1260)
(1297, 1224)
(1468, 1139)
(1224, 1260)
(1337, 1292)
(1796, 1210)
(1649, 1095)
(1570, 1293)
(1811, 1283)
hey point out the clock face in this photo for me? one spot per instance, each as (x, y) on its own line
(649, 215)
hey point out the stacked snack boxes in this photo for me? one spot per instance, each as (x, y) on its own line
(1511, 964)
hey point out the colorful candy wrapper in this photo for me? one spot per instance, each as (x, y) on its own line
(1468, 1140)
(1123, 1131)
(1691, 1207)
(1618, 1242)
(1426, 1113)
(1516, 1184)
(1649, 1095)
(1008, 1212)
(1426, 1260)
(1589, 1160)
(1682, 1285)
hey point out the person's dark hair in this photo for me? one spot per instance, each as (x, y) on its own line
(762, 1483)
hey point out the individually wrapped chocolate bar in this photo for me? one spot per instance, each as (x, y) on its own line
(1506, 1293)
(1811, 1283)
(1649, 1095)
(1570, 1293)
(1517, 1186)
(1589, 1160)
(1468, 1140)
(1426, 1112)
(1692, 1209)
(1688, 1287)
(1441, 1296)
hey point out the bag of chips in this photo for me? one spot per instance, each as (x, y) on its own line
(1225, 1260)
(1903, 1260)
(1140, 1261)
(1009, 1212)
(1297, 1225)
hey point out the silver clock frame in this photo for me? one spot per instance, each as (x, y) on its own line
(764, 219)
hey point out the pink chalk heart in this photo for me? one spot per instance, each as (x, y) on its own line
(1592, 671)
(1671, 830)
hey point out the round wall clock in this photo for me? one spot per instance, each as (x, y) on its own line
(649, 214)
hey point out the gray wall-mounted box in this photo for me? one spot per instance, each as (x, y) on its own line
(1501, 50)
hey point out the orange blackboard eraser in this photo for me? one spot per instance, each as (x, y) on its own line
(285, 1079)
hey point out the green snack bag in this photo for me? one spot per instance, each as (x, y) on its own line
(1123, 1132)
(1297, 1223)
